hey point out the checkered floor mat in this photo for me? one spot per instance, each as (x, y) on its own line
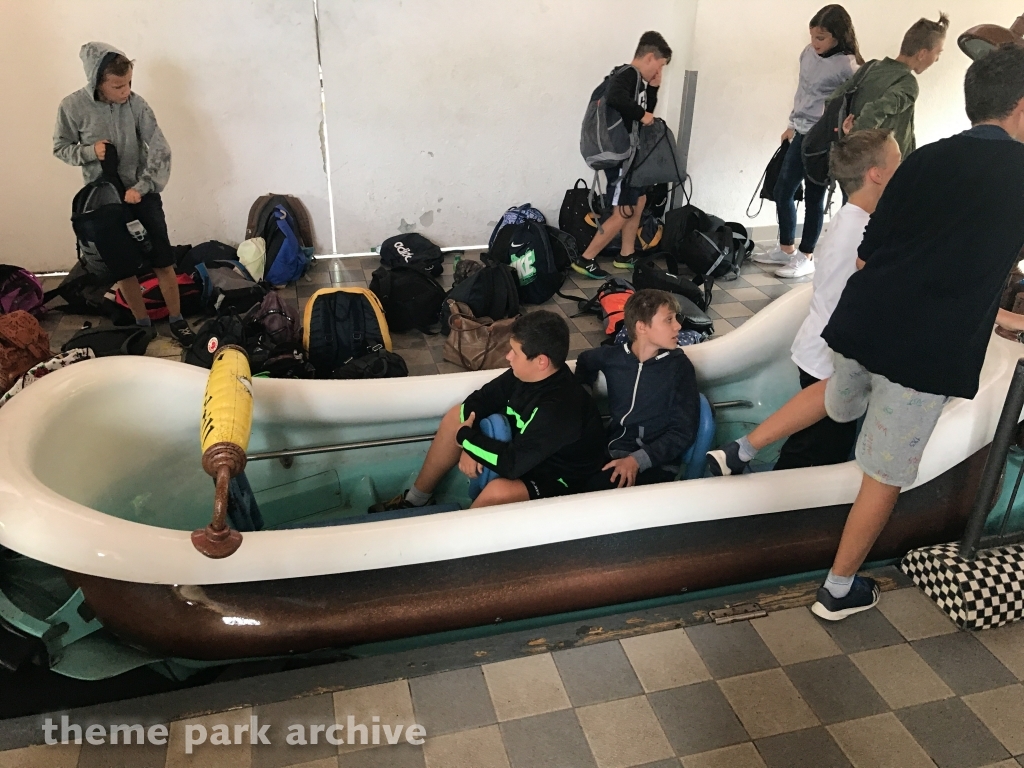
(977, 594)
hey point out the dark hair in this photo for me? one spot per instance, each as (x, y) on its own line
(542, 332)
(653, 42)
(855, 155)
(994, 84)
(924, 35)
(837, 22)
(115, 64)
(643, 305)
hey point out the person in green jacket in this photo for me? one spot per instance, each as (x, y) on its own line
(888, 89)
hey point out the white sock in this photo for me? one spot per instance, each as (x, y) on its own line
(416, 497)
(838, 586)
(747, 452)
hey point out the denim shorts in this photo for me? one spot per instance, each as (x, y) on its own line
(898, 420)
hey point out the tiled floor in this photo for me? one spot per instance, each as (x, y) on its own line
(897, 687)
(732, 303)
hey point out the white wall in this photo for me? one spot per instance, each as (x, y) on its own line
(443, 113)
(235, 88)
(746, 52)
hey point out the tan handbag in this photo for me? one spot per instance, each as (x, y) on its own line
(476, 343)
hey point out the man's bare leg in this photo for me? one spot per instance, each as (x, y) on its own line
(632, 226)
(605, 234)
(169, 288)
(867, 519)
(805, 408)
(443, 454)
(501, 491)
(132, 292)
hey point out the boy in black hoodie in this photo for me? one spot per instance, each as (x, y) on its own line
(633, 93)
(652, 394)
(556, 429)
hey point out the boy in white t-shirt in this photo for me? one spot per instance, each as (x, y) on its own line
(862, 163)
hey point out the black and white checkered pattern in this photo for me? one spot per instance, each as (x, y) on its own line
(983, 593)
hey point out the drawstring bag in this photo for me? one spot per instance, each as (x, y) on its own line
(656, 161)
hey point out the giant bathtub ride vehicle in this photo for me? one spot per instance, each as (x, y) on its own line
(102, 487)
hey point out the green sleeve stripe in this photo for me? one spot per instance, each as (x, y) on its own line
(563, 482)
(462, 412)
(480, 453)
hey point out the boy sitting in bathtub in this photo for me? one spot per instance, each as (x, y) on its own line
(913, 324)
(652, 394)
(557, 435)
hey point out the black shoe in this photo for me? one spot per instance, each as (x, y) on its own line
(183, 333)
(863, 594)
(589, 268)
(726, 460)
(625, 262)
(398, 502)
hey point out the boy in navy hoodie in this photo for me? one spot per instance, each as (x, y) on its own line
(652, 394)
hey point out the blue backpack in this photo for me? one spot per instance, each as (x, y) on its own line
(516, 215)
(286, 260)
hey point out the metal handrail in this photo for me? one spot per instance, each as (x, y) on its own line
(995, 465)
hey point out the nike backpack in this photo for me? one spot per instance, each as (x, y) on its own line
(540, 267)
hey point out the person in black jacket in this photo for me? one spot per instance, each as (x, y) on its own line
(557, 434)
(652, 394)
(633, 93)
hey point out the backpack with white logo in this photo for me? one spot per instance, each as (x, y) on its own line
(604, 141)
(517, 214)
(412, 250)
(540, 256)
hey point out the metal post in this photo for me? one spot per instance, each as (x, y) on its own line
(997, 454)
(685, 128)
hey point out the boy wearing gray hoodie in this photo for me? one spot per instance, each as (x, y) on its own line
(107, 112)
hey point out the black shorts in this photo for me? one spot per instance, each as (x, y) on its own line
(547, 487)
(150, 213)
(617, 193)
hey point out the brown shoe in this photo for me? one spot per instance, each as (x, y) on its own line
(398, 502)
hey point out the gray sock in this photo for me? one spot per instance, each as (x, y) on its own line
(838, 586)
(174, 318)
(416, 497)
(747, 451)
(144, 322)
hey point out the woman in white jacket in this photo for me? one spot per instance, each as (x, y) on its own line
(825, 64)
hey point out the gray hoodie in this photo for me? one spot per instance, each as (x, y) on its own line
(144, 158)
(819, 77)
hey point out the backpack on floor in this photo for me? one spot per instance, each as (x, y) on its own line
(527, 248)
(378, 363)
(20, 289)
(211, 336)
(817, 144)
(276, 319)
(411, 299)
(412, 250)
(340, 324)
(604, 141)
(609, 303)
(464, 268)
(285, 260)
(710, 247)
(262, 208)
(23, 344)
(106, 340)
(190, 293)
(647, 274)
(84, 292)
(488, 292)
(517, 214)
(575, 216)
(227, 287)
(204, 253)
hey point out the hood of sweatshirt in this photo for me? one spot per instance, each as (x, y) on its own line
(93, 56)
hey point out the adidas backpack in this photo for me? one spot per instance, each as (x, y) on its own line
(411, 299)
(412, 250)
(342, 323)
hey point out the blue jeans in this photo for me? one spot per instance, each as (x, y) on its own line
(790, 176)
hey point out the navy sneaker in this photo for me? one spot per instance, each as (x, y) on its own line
(588, 267)
(726, 460)
(863, 594)
(183, 333)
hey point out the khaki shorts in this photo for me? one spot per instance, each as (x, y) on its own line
(898, 420)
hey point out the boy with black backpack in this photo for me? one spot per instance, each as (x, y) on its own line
(633, 93)
(107, 113)
(556, 430)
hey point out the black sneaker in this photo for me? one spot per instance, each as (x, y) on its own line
(625, 262)
(589, 268)
(183, 333)
(726, 460)
(398, 502)
(863, 594)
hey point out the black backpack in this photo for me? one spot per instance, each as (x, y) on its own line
(710, 247)
(412, 250)
(411, 299)
(817, 144)
(211, 336)
(647, 274)
(489, 292)
(377, 364)
(540, 266)
(340, 324)
(84, 293)
(107, 341)
(573, 215)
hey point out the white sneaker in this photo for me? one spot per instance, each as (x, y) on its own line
(799, 266)
(775, 256)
